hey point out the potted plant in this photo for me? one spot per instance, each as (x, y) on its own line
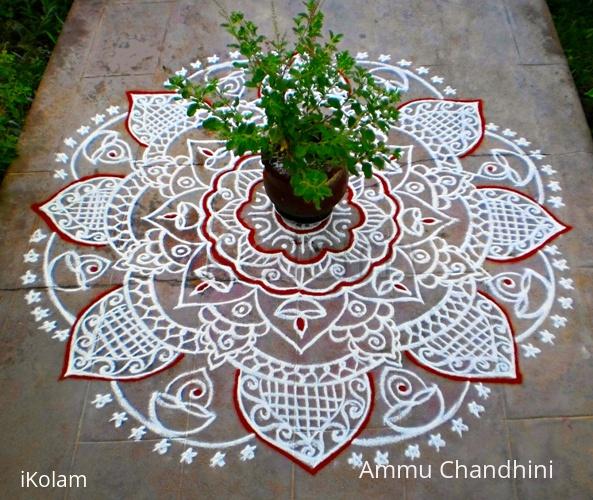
(321, 113)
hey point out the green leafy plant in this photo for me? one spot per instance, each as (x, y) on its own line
(321, 108)
(574, 23)
(28, 33)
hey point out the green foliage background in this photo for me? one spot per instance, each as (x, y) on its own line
(28, 33)
(29, 29)
(574, 23)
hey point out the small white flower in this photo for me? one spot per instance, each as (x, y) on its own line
(554, 186)
(247, 453)
(162, 446)
(196, 65)
(28, 277)
(70, 142)
(546, 337)
(509, 133)
(218, 460)
(522, 142)
(37, 236)
(181, 72)
(458, 426)
(530, 351)
(436, 441)
(213, 59)
(31, 256)
(412, 451)
(101, 400)
(355, 460)
(235, 54)
(40, 313)
(60, 174)
(552, 250)
(492, 127)
(61, 335)
(566, 283)
(113, 110)
(556, 201)
(558, 321)
(137, 433)
(449, 90)
(548, 169)
(187, 457)
(98, 118)
(422, 70)
(381, 458)
(61, 158)
(83, 130)
(536, 154)
(565, 302)
(118, 418)
(404, 63)
(48, 326)
(483, 391)
(560, 264)
(32, 296)
(475, 409)
(384, 58)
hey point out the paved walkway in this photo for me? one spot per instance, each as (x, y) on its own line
(176, 433)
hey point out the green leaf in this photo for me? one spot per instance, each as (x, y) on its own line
(334, 102)
(213, 124)
(192, 108)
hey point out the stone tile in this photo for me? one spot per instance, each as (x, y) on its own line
(534, 32)
(559, 124)
(486, 442)
(129, 40)
(90, 97)
(555, 383)
(539, 103)
(339, 480)
(125, 470)
(17, 193)
(576, 195)
(267, 476)
(369, 30)
(567, 443)
(39, 414)
(51, 110)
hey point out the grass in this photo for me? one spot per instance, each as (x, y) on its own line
(574, 23)
(28, 33)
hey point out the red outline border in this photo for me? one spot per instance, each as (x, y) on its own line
(284, 224)
(551, 238)
(84, 310)
(291, 291)
(129, 95)
(494, 380)
(480, 103)
(287, 255)
(329, 458)
(36, 207)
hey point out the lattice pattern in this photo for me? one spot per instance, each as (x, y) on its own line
(79, 211)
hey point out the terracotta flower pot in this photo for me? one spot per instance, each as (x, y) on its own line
(290, 206)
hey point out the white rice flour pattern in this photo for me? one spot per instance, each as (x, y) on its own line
(426, 283)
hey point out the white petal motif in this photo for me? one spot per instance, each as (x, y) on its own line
(518, 225)
(446, 127)
(78, 213)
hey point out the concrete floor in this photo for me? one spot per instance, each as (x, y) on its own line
(504, 52)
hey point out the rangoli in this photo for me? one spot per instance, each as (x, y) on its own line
(428, 281)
